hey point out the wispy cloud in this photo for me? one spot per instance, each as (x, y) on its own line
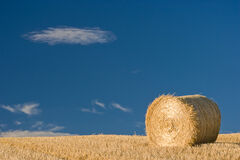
(27, 133)
(29, 108)
(26, 108)
(40, 125)
(9, 108)
(118, 106)
(56, 128)
(102, 105)
(93, 110)
(98, 103)
(53, 127)
(71, 35)
(18, 122)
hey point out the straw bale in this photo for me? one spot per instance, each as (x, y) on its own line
(182, 120)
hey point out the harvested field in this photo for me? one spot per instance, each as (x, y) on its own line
(114, 147)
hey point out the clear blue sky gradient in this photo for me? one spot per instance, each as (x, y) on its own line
(181, 47)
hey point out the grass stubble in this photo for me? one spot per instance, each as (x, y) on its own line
(114, 147)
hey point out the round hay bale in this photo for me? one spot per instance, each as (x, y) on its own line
(183, 120)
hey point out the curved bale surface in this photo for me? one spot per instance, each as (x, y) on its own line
(183, 120)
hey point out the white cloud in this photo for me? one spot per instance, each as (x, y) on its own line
(18, 122)
(29, 109)
(40, 125)
(85, 110)
(27, 133)
(93, 110)
(39, 129)
(118, 106)
(98, 103)
(9, 108)
(26, 108)
(71, 35)
(56, 128)
(53, 127)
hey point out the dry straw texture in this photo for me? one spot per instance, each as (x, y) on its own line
(114, 147)
(183, 120)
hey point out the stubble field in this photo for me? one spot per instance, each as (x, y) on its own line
(113, 147)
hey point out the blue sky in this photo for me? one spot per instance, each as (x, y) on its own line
(90, 67)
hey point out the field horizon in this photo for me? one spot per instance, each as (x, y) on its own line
(113, 147)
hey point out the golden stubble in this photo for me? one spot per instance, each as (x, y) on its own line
(114, 147)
